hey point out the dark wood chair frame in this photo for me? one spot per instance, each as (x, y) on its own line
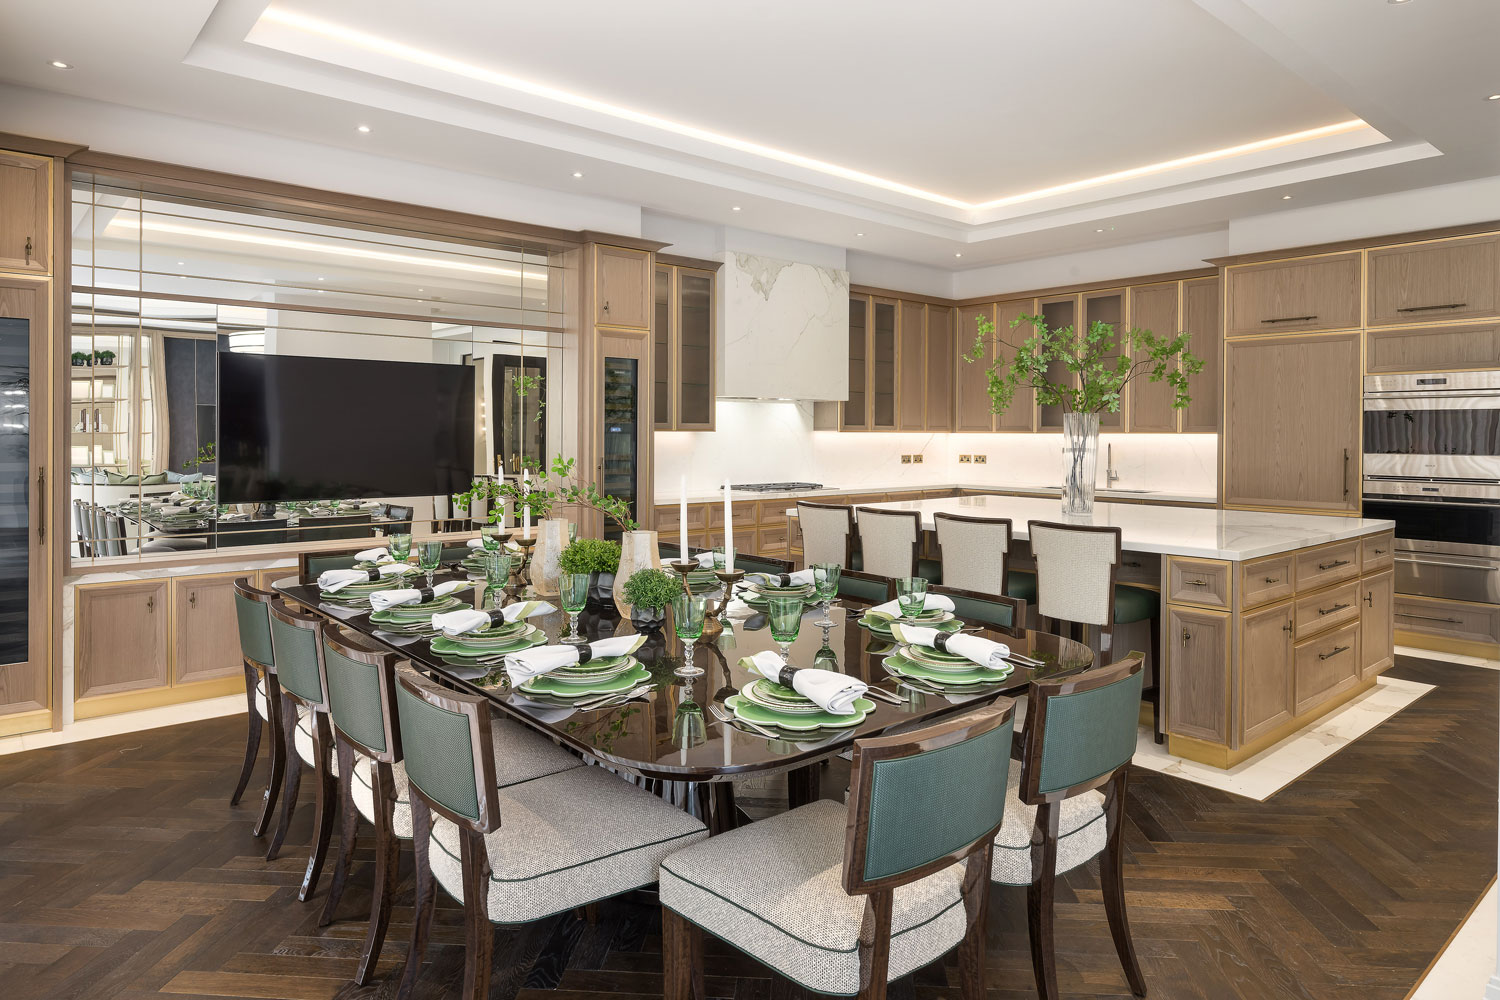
(254, 671)
(848, 532)
(884, 581)
(1151, 693)
(682, 942)
(1010, 534)
(916, 538)
(383, 788)
(326, 799)
(1017, 606)
(1041, 894)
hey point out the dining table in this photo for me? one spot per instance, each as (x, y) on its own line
(670, 730)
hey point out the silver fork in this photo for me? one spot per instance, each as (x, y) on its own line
(616, 697)
(726, 719)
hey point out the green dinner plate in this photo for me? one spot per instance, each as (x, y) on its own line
(548, 685)
(883, 626)
(937, 659)
(472, 657)
(744, 708)
(593, 672)
(769, 694)
(978, 677)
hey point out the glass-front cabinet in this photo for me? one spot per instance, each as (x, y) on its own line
(683, 370)
(854, 412)
(883, 365)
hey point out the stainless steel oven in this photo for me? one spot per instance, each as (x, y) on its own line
(1447, 536)
(1438, 425)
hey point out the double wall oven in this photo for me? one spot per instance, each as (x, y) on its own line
(1432, 465)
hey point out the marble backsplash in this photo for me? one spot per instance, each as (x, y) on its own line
(783, 329)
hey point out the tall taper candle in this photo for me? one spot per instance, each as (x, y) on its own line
(728, 530)
(525, 506)
(682, 552)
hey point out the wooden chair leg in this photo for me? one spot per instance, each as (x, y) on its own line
(252, 738)
(423, 898)
(479, 933)
(387, 868)
(875, 945)
(1039, 900)
(348, 833)
(976, 891)
(326, 802)
(682, 957)
(293, 780)
(278, 758)
(1112, 876)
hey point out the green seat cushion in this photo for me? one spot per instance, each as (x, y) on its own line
(930, 570)
(1134, 604)
(1021, 586)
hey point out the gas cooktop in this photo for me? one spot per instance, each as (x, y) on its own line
(775, 487)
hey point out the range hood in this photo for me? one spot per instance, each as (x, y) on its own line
(783, 330)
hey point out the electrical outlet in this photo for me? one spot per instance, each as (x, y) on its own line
(965, 459)
(979, 459)
(905, 459)
(917, 459)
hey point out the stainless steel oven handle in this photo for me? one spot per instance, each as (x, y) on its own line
(1452, 565)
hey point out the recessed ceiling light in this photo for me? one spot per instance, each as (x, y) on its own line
(1397, 3)
(1493, 97)
(958, 255)
(1286, 197)
(578, 173)
(1098, 230)
(734, 208)
(859, 234)
(59, 64)
(320, 279)
(181, 264)
(362, 128)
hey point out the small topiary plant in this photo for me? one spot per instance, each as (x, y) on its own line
(652, 589)
(590, 555)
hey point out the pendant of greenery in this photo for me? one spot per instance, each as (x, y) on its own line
(563, 488)
(590, 555)
(652, 589)
(1100, 364)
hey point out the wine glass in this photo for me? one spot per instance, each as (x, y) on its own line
(496, 573)
(429, 558)
(720, 557)
(911, 596)
(688, 612)
(785, 615)
(400, 546)
(490, 536)
(574, 589)
(826, 586)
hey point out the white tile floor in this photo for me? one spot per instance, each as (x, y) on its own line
(1429, 654)
(1464, 969)
(127, 722)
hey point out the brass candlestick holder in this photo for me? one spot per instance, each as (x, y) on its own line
(523, 572)
(728, 577)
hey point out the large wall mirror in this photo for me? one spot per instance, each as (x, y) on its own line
(245, 376)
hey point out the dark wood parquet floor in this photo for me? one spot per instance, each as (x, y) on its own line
(125, 874)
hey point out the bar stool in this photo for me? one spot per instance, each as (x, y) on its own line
(890, 543)
(975, 555)
(252, 610)
(827, 533)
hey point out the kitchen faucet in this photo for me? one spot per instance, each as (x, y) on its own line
(1110, 475)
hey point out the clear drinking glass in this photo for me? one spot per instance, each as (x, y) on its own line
(429, 558)
(688, 612)
(911, 595)
(574, 589)
(490, 536)
(785, 615)
(400, 546)
(826, 586)
(572, 532)
(719, 557)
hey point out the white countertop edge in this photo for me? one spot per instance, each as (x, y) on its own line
(737, 496)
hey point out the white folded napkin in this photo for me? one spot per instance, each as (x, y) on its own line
(334, 580)
(455, 623)
(377, 556)
(383, 599)
(540, 660)
(705, 560)
(985, 652)
(933, 602)
(476, 543)
(802, 576)
(831, 691)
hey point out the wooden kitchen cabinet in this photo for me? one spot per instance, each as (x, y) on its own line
(1057, 313)
(971, 398)
(939, 341)
(25, 212)
(205, 634)
(120, 641)
(1201, 320)
(1284, 296)
(1109, 307)
(1198, 673)
(854, 411)
(1433, 349)
(1021, 415)
(684, 344)
(911, 368)
(661, 350)
(623, 287)
(1293, 422)
(1376, 639)
(1437, 281)
(1266, 697)
(1154, 308)
(882, 355)
(1326, 666)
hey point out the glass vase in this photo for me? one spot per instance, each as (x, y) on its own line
(1080, 454)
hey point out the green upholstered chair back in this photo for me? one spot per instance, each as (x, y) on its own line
(861, 587)
(1080, 730)
(315, 564)
(922, 800)
(456, 553)
(762, 564)
(252, 611)
(1008, 613)
(445, 736)
(296, 639)
(360, 696)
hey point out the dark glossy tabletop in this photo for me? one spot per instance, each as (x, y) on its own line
(671, 733)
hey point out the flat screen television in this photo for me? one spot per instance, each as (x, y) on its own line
(294, 428)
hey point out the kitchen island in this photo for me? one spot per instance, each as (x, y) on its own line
(1268, 620)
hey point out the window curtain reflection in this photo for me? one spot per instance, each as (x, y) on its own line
(142, 384)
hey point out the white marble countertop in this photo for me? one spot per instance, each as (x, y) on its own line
(1207, 532)
(717, 496)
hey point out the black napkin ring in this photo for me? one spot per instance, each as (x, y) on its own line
(425, 594)
(585, 654)
(940, 641)
(785, 677)
(786, 579)
(497, 618)
(373, 574)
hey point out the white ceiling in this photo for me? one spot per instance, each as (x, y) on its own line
(830, 119)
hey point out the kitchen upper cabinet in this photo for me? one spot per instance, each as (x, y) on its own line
(683, 335)
(1154, 308)
(971, 400)
(1200, 319)
(911, 369)
(854, 413)
(25, 212)
(1286, 296)
(661, 336)
(1021, 414)
(1292, 429)
(1108, 307)
(1433, 349)
(882, 354)
(939, 343)
(622, 289)
(1058, 313)
(1434, 282)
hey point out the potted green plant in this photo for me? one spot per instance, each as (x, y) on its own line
(105, 357)
(1099, 363)
(80, 359)
(649, 592)
(599, 559)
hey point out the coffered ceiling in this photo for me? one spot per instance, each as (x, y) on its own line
(952, 134)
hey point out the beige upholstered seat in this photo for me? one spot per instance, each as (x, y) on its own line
(826, 530)
(974, 551)
(888, 541)
(1075, 572)
(1081, 834)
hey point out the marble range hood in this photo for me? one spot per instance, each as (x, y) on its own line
(783, 330)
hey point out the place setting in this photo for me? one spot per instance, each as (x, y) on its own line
(351, 588)
(474, 642)
(408, 611)
(783, 702)
(953, 664)
(578, 677)
(913, 606)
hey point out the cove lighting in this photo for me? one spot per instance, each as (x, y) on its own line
(391, 48)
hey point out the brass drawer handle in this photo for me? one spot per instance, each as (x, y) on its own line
(1333, 652)
(1335, 564)
(1445, 305)
(1272, 579)
(1196, 583)
(1430, 618)
(1290, 319)
(1336, 607)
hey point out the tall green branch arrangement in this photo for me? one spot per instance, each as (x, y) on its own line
(561, 488)
(1100, 363)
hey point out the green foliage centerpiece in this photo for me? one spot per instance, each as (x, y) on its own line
(1099, 363)
(648, 592)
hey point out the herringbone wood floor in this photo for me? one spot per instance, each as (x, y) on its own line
(125, 874)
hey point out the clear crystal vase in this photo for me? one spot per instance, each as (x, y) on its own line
(1080, 454)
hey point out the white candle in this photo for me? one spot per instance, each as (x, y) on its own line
(728, 530)
(525, 507)
(682, 552)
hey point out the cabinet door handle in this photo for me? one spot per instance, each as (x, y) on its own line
(1370, 598)
(1290, 319)
(150, 603)
(1329, 611)
(1186, 635)
(1346, 473)
(1334, 565)
(606, 307)
(41, 504)
(28, 249)
(1335, 651)
(1287, 627)
(1429, 618)
(192, 598)
(1445, 305)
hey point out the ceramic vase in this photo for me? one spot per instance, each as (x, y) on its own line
(551, 539)
(637, 552)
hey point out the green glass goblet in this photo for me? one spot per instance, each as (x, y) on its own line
(496, 574)
(688, 613)
(911, 596)
(400, 546)
(826, 586)
(574, 591)
(785, 616)
(490, 536)
(429, 558)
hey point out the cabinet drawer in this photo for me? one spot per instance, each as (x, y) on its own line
(1318, 293)
(1317, 568)
(775, 511)
(773, 539)
(668, 517)
(1475, 623)
(1327, 609)
(1197, 581)
(1326, 665)
(1266, 580)
(1377, 552)
(1433, 349)
(1441, 280)
(745, 514)
(1139, 567)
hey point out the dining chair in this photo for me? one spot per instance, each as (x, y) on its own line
(298, 641)
(372, 780)
(252, 612)
(866, 586)
(890, 544)
(317, 529)
(1079, 739)
(827, 533)
(975, 555)
(762, 564)
(841, 899)
(516, 854)
(1075, 569)
(311, 565)
(84, 548)
(1001, 613)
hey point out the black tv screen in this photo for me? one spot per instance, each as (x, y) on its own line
(293, 428)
